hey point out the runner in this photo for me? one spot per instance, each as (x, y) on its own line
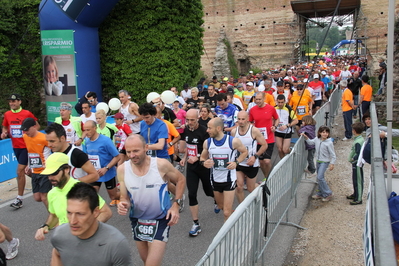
(73, 125)
(193, 137)
(76, 243)
(57, 170)
(38, 151)
(219, 155)
(81, 167)
(301, 104)
(13, 243)
(284, 130)
(104, 156)
(154, 131)
(247, 170)
(87, 113)
(12, 126)
(148, 203)
(262, 116)
(130, 111)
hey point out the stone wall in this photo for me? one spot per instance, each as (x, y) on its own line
(262, 33)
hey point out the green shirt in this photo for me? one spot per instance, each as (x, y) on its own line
(57, 200)
(106, 131)
(355, 150)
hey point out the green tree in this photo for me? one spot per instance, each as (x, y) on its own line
(20, 61)
(150, 46)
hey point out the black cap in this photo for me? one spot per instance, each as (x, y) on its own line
(280, 83)
(14, 96)
(214, 77)
(28, 123)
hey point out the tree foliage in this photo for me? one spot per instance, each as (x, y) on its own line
(316, 35)
(20, 61)
(150, 46)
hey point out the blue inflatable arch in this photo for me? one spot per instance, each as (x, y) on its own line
(84, 18)
(343, 42)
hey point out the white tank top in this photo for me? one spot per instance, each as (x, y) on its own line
(71, 135)
(135, 127)
(250, 143)
(75, 172)
(221, 153)
(149, 196)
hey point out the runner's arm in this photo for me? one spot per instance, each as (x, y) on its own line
(105, 213)
(55, 258)
(124, 204)
(92, 175)
(237, 144)
(51, 222)
(174, 176)
(157, 146)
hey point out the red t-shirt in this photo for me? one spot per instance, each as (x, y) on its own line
(13, 121)
(263, 120)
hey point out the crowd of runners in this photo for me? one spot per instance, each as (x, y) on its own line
(218, 133)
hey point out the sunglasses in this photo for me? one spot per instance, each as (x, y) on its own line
(90, 101)
(56, 172)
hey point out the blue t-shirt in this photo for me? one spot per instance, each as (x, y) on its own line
(326, 80)
(228, 115)
(152, 133)
(101, 152)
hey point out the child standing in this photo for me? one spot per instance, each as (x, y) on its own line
(325, 158)
(357, 171)
(308, 127)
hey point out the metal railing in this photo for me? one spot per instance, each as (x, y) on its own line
(241, 239)
(377, 237)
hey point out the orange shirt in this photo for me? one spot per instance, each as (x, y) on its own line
(347, 98)
(367, 92)
(301, 107)
(172, 132)
(269, 99)
(38, 151)
(305, 93)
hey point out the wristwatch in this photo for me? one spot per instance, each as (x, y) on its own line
(106, 167)
(256, 156)
(44, 225)
(178, 201)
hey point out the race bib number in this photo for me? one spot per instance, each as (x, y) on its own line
(16, 131)
(220, 161)
(192, 150)
(301, 110)
(151, 153)
(317, 94)
(145, 230)
(35, 161)
(95, 161)
(263, 131)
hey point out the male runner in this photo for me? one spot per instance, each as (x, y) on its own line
(247, 170)
(144, 195)
(57, 170)
(104, 156)
(38, 151)
(194, 136)
(85, 240)
(81, 167)
(219, 155)
(262, 116)
(284, 130)
(12, 126)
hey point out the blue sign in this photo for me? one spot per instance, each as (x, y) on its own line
(8, 161)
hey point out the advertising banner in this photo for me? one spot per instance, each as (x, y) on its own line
(8, 161)
(59, 71)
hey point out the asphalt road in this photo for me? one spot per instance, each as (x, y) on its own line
(181, 249)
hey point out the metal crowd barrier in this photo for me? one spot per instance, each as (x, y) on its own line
(241, 239)
(377, 236)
